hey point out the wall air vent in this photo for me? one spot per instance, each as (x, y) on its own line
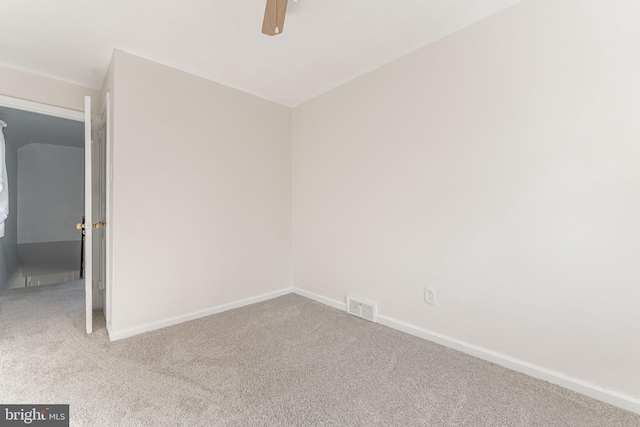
(362, 308)
(354, 306)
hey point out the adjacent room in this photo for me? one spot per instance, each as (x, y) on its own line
(45, 169)
(389, 214)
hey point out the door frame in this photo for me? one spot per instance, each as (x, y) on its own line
(67, 113)
(37, 107)
(104, 117)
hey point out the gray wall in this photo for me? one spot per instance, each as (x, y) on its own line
(50, 193)
(9, 266)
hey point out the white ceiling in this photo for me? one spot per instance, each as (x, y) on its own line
(324, 44)
(24, 127)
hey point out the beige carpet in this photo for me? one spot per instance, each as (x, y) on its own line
(284, 362)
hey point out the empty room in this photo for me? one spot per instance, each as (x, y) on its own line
(379, 214)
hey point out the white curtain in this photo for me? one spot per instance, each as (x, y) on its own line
(4, 185)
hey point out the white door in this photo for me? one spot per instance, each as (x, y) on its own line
(88, 219)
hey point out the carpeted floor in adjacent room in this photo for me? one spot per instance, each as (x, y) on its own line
(285, 362)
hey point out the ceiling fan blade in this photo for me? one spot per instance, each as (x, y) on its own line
(274, 15)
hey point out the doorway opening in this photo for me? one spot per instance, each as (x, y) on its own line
(71, 152)
(94, 254)
(45, 169)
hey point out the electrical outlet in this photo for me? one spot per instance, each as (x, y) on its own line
(429, 296)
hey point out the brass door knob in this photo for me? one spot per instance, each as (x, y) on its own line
(96, 225)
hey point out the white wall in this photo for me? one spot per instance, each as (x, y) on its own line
(201, 194)
(500, 167)
(9, 264)
(45, 90)
(50, 193)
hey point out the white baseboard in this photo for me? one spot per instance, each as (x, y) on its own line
(109, 331)
(594, 391)
(319, 298)
(118, 335)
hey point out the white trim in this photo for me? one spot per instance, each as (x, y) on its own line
(36, 107)
(615, 398)
(319, 298)
(108, 256)
(88, 216)
(118, 335)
